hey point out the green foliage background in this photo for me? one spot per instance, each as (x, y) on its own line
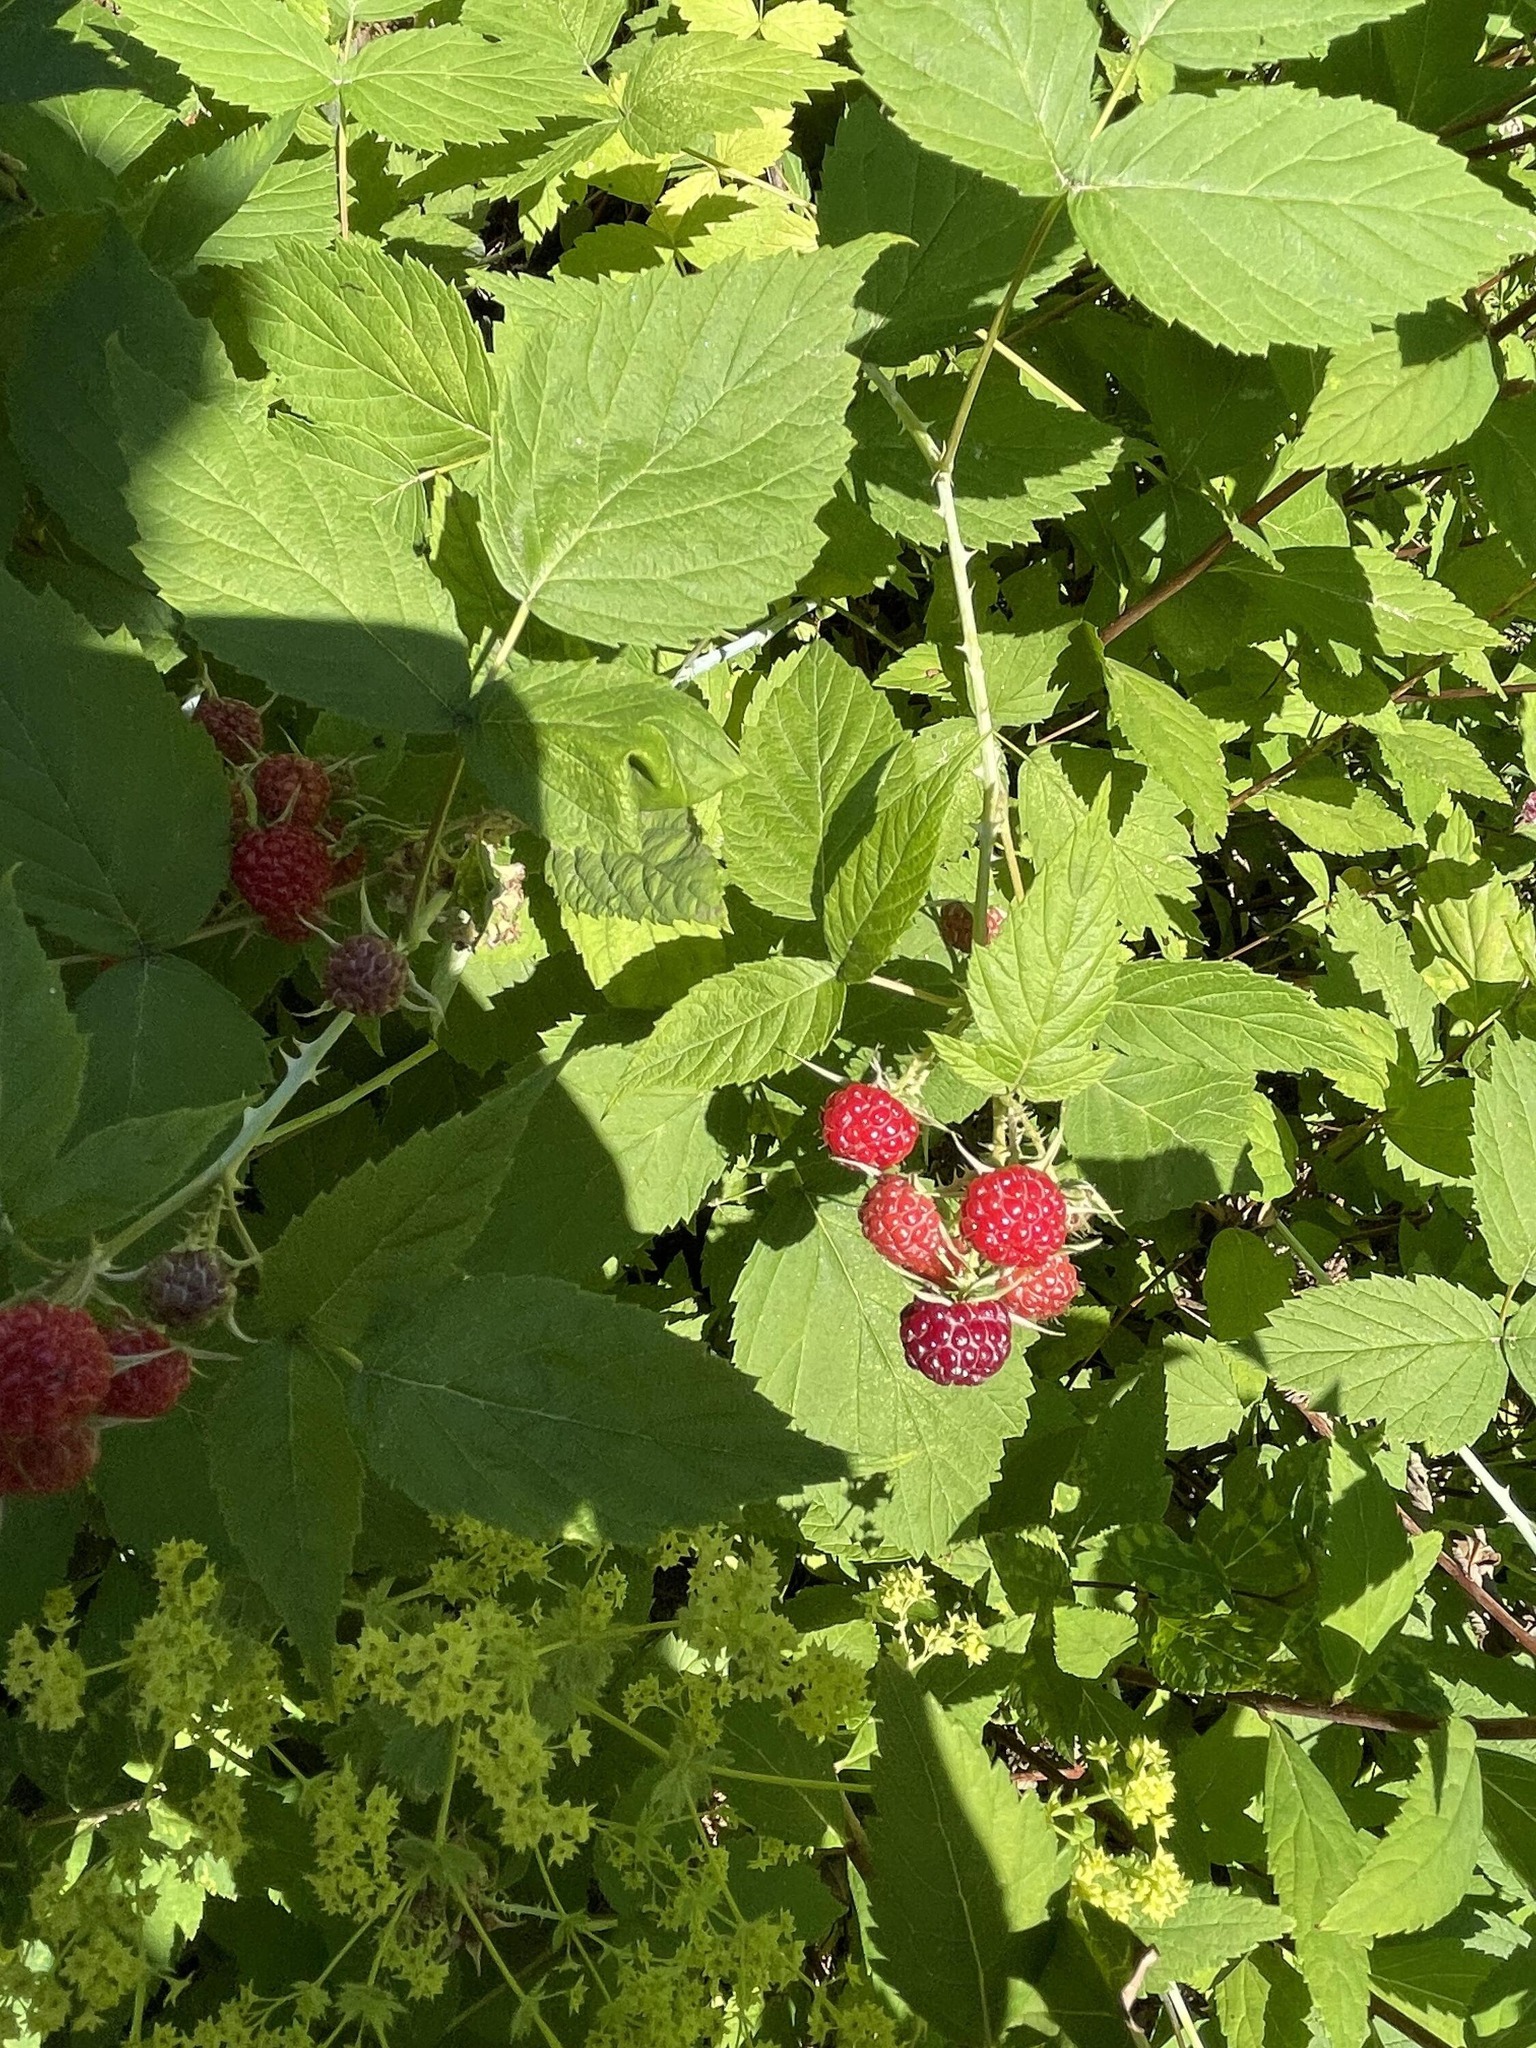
(727, 480)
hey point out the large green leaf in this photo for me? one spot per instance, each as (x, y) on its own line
(961, 1863)
(1367, 598)
(43, 1057)
(739, 1026)
(1417, 388)
(90, 744)
(254, 53)
(528, 1403)
(877, 884)
(711, 434)
(1370, 1569)
(1002, 87)
(1176, 741)
(165, 1035)
(679, 91)
(109, 1175)
(377, 348)
(1503, 457)
(426, 87)
(1314, 1851)
(1504, 1158)
(290, 1484)
(1157, 1134)
(1275, 215)
(287, 571)
(1420, 1869)
(1420, 1356)
(1232, 35)
(203, 196)
(816, 1327)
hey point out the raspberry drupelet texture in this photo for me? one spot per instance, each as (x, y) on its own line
(155, 1384)
(956, 1343)
(904, 1226)
(55, 1367)
(284, 874)
(186, 1287)
(1014, 1216)
(292, 788)
(866, 1126)
(366, 975)
(957, 925)
(235, 727)
(1044, 1291)
(55, 1463)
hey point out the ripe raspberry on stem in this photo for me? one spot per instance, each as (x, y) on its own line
(956, 1343)
(292, 788)
(366, 974)
(866, 1126)
(905, 1227)
(284, 874)
(57, 1462)
(1043, 1291)
(235, 727)
(1014, 1216)
(54, 1367)
(186, 1286)
(155, 1384)
(957, 925)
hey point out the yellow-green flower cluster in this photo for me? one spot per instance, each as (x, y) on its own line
(48, 1678)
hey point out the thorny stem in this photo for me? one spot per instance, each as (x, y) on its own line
(1513, 1513)
(360, 1093)
(526, 2003)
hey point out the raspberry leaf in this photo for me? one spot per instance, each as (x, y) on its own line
(425, 87)
(163, 1035)
(1220, 35)
(253, 53)
(1504, 1158)
(113, 1174)
(736, 1027)
(44, 1065)
(1158, 1134)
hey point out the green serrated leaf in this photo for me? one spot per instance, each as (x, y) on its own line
(164, 1035)
(426, 87)
(678, 91)
(1504, 1158)
(1157, 1134)
(1420, 1869)
(1232, 35)
(44, 1055)
(739, 1026)
(110, 1175)
(876, 883)
(1176, 740)
(1407, 394)
(253, 53)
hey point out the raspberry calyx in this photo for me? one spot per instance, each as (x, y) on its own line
(905, 1228)
(956, 1343)
(1014, 1216)
(55, 1367)
(154, 1384)
(866, 1126)
(366, 974)
(284, 874)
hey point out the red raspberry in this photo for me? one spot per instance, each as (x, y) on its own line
(284, 873)
(1044, 1291)
(956, 1343)
(366, 975)
(293, 788)
(1015, 1216)
(957, 925)
(864, 1126)
(904, 1226)
(54, 1367)
(55, 1463)
(155, 1384)
(186, 1286)
(234, 726)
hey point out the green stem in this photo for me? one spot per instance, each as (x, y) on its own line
(526, 2004)
(415, 930)
(440, 1832)
(1289, 1238)
(360, 1093)
(254, 1125)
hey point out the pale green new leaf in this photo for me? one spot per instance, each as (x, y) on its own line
(253, 53)
(1420, 1869)
(816, 1327)
(1002, 86)
(739, 1026)
(1420, 1356)
(1408, 393)
(1233, 35)
(678, 91)
(44, 1055)
(961, 1863)
(378, 348)
(205, 194)
(1176, 740)
(1275, 215)
(876, 886)
(1215, 1925)
(283, 571)
(1417, 751)
(1041, 990)
(427, 87)
(1209, 1390)
(661, 451)
(814, 730)
(1329, 812)
(1504, 1158)
(290, 1485)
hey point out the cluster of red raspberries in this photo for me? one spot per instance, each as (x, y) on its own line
(1006, 1258)
(63, 1373)
(284, 861)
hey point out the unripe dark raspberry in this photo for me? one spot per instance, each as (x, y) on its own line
(865, 1126)
(186, 1287)
(54, 1367)
(1015, 1216)
(957, 925)
(292, 788)
(366, 975)
(1528, 811)
(155, 1384)
(956, 1343)
(234, 726)
(1044, 1291)
(350, 867)
(904, 1226)
(57, 1462)
(284, 873)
